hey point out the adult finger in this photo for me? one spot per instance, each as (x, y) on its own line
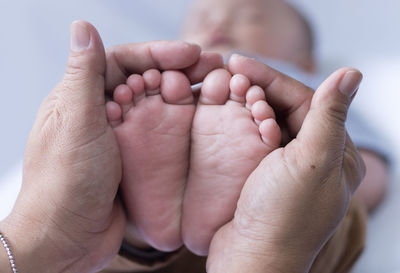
(81, 90)
(83, 82)
(127, 59)
(324, 131)
(207, 62)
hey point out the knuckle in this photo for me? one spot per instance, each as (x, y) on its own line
(338, 112)
(74, 72)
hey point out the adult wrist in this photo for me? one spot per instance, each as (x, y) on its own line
(33, 249)
(9, 254)
(235, 251)
(276, 259)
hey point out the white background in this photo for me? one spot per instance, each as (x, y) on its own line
(34, 40)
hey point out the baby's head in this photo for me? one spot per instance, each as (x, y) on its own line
(271, 28)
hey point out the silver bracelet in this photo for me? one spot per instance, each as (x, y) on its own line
(9, 253)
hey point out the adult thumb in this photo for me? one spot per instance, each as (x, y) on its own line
(323, 129)
(83, 82)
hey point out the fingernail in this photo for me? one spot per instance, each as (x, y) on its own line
(242, 57)
(194, 44)
(80, 37)
(235, 55)
(350, 82)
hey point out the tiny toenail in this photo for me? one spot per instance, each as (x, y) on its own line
(248, 106)
(257, 121)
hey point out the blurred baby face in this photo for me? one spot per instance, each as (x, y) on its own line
(265, 27)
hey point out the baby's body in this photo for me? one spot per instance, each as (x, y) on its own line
(160, 130)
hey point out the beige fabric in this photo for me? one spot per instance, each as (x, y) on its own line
(342, 250)
(337, 256)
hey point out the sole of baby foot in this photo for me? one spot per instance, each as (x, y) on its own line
(152, 126)
(228, 142)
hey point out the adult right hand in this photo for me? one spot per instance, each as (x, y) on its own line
(293, 202)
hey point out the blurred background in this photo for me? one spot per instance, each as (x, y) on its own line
(34, 47)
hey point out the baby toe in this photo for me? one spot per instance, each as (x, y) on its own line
(114, 113)
(255, 93)
(261, 111)
(123, 95)
(152, 81)
(239, 85)
(270, 133)
(215, 89)
(136, 83)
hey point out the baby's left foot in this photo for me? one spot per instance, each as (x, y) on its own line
(228, 142)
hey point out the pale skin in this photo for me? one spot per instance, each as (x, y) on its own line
(228, 142)
(152, 115)
(265, 27)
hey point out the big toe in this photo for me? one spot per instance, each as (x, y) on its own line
(215, 89)
(175, 88)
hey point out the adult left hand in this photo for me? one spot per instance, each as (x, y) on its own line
(68, 216)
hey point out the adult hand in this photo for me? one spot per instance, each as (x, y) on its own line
(294, 200)
(68, 216)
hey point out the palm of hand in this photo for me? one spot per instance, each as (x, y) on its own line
(83, 143)
(268, 212)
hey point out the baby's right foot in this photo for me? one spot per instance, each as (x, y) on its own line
(152, 116)
(228, 142)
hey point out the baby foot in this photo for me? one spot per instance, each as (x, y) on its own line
(233, 130)
(152, 116)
